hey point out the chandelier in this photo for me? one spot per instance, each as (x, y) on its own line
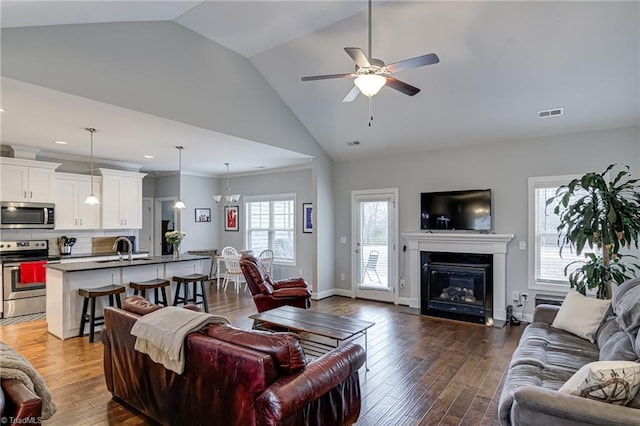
(228, 197)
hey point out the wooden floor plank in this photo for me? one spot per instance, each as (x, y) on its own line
(420, 367)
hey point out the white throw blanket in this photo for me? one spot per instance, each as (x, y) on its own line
(15, 366)
(161, 334)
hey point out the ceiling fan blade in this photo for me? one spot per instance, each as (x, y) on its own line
(416, 62)
(352, 95)
(401, 86)
(326, 77)
(358, 56)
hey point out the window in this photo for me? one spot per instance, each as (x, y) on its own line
(271, 225)
(546, 267)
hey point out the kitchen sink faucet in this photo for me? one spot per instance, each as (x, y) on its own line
(115, 247)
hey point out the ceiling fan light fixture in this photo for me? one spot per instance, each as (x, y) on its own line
(370, 84)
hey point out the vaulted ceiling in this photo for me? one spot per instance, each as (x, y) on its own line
(500, 63)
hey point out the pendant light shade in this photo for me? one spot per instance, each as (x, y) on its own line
(179, 204)
(228, 197)
(91, 199)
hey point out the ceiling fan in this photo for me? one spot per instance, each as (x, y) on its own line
(372, 74)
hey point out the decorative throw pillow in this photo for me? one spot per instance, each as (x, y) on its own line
(581, 315)
(613, 382)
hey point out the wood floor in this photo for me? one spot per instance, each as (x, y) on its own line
(423, 371)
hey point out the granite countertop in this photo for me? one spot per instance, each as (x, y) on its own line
(110, 253)
(106, 264)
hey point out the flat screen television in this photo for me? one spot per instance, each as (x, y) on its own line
(456, 210)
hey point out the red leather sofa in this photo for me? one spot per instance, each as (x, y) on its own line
(231, 377)
(18, 404)
(270, 294)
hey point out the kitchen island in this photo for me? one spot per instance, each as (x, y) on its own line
(64, 305)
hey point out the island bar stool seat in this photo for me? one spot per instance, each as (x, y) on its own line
(155, 285)
(185, 280)
(92, 294)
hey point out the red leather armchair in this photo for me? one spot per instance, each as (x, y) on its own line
(269, 294)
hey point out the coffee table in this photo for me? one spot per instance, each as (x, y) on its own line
(319, 332)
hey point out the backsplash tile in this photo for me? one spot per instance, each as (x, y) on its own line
(83, 238)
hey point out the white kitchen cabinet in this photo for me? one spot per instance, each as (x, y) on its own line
(27, 180)
(121, 199)
(70, 192)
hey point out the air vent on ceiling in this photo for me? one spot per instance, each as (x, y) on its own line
(354, 143)
(556, 112)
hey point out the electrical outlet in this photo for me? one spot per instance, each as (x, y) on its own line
(516, 296)
(402, 283)
(525, 296)
(342, 277)
(523, 245)
(300, 273)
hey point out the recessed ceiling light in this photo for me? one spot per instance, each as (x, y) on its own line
(149, 156)
(259, 167)
(61, 142)
(354, 143)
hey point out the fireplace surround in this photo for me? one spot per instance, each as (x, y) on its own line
(457, 242)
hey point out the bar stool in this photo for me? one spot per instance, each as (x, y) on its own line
(155, 284)
(186, 280)
(92, 294)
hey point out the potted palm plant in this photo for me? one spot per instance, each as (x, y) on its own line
(598, 218)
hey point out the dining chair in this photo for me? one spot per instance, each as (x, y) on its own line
(232, 266)
(266, 257)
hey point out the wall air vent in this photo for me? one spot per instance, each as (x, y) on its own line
(556, 112)
(354, 143)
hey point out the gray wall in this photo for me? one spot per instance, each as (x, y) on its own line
(164, 69)
(197, 192)
(297, 181)
(503, 167)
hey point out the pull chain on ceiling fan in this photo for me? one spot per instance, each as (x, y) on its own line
(372, 74)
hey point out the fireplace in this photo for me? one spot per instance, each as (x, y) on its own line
(457, 286)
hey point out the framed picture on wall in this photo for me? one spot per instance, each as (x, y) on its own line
(307, 218)
(231, 218)
(203, 215)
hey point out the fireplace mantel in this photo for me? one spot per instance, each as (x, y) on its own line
(454, 242)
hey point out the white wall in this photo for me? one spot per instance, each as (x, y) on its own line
(503, 167)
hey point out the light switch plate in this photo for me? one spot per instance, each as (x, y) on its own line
(523, 245)
(343, 240)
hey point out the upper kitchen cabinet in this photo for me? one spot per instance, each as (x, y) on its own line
(27, 180)
(121, 199)
(70, 192)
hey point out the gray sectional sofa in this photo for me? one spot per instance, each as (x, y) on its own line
(547, 357)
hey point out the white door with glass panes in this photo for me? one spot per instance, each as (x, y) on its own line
(374, 233)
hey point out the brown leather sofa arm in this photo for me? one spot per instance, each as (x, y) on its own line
(290, 283)
(293, 392)
(21, 403)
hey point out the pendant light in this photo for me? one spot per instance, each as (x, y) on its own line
(91, 199)
(229, 198)
(179, 204)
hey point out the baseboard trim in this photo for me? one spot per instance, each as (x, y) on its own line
(332, 292)
(407, 301)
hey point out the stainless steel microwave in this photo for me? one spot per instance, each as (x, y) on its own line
(19, 215)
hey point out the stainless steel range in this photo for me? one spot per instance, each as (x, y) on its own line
(23, 276)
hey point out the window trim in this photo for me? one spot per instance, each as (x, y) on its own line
(533, 183)
(274, 197)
